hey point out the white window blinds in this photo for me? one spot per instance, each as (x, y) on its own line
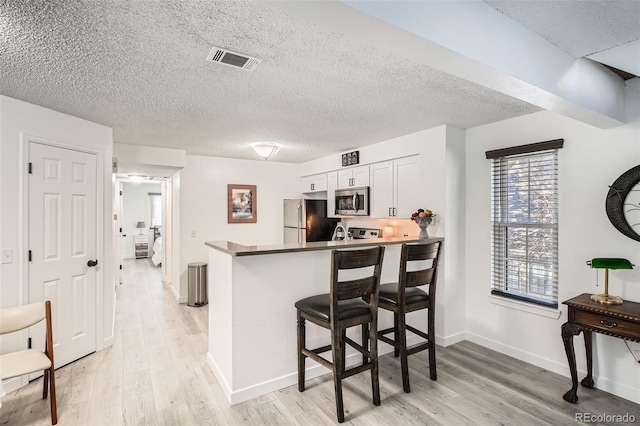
(524, 222)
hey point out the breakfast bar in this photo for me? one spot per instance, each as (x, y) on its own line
(252, 318)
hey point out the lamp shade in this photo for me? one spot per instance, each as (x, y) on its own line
(610, 263)
(265, 150)
(141, 225)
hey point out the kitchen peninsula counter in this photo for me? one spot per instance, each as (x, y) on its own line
(252, 319)
(235, 249)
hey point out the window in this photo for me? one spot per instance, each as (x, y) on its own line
(524, 222)
(156, 209)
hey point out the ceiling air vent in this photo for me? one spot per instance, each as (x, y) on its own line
(234, 59)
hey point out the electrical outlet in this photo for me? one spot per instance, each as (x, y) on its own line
(193, 234)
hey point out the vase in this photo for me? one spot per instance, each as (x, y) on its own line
(424, 234)
(423, 224)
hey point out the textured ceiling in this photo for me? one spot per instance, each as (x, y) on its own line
(139, 67)
(581, 27)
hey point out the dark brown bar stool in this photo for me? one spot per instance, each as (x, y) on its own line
(350, 303)
(403, 297)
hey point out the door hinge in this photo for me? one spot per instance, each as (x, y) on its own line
(29, 343)
(120, 192)
(29, 255)
(120, 267)
(30, 168)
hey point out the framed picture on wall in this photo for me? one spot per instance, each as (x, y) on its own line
(242, 204)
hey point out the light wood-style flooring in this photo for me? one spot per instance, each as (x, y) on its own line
(156, 374)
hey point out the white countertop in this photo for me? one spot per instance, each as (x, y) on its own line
(235, 249)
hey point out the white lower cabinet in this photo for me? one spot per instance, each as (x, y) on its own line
(393, 186)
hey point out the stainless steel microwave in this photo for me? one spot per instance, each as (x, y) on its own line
(352, 201)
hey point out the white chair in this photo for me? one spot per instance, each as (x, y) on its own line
(18, 363)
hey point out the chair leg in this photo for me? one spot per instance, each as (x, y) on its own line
(402, 343)
(396, 351)
(365, 341)
(52, 385)
(375, 377)
(431, 332)
(45, 385)
(301, 356)
(337, 347)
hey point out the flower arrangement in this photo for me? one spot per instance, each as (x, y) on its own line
(423, 218)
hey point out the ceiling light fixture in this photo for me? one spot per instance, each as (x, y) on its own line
(265, 149)
(136, 178)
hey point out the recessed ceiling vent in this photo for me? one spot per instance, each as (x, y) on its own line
(233, 59)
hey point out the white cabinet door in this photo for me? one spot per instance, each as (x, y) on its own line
(344, 178)
(361, 176)
(381, 199)
(314, 183)
(332, 185)
(406, 178)
(319, 182)
(353, 177)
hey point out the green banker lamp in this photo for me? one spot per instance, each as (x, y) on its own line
(606, 264)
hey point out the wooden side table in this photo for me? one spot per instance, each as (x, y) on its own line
(586, 316)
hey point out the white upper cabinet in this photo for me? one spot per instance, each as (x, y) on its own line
(353, 177)
(332, 185)
(314, 183)
(393, 186)
(381, 190)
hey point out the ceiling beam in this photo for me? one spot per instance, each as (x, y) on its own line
(472, 40)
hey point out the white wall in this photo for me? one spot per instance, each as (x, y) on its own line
(20, 119)
(203, 205)
(590, 161)
(136, 207)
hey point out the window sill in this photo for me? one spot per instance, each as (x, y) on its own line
(525, 307)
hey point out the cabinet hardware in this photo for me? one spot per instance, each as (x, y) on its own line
(608, 324)
(395, 212)
(313, 186)
(390, 211)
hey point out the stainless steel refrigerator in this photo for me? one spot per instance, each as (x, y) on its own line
(307, 221)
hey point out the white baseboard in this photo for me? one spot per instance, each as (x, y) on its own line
(562, 368)
(311, 372)
(179, 299)
(15, 383)
(451, 340)
(547, 363)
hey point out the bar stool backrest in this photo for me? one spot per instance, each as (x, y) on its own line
(424, 276)
(363, 287)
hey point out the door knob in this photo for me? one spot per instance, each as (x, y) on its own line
(92, 263)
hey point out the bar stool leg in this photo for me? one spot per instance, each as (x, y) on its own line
(432, 344)
(402, 343)
(365, 341)
(396, 335)
(373, 351)
(337, 349)
(301, 356)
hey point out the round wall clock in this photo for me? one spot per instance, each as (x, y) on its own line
(623, 203)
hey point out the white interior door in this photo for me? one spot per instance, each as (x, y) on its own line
(62, 240)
